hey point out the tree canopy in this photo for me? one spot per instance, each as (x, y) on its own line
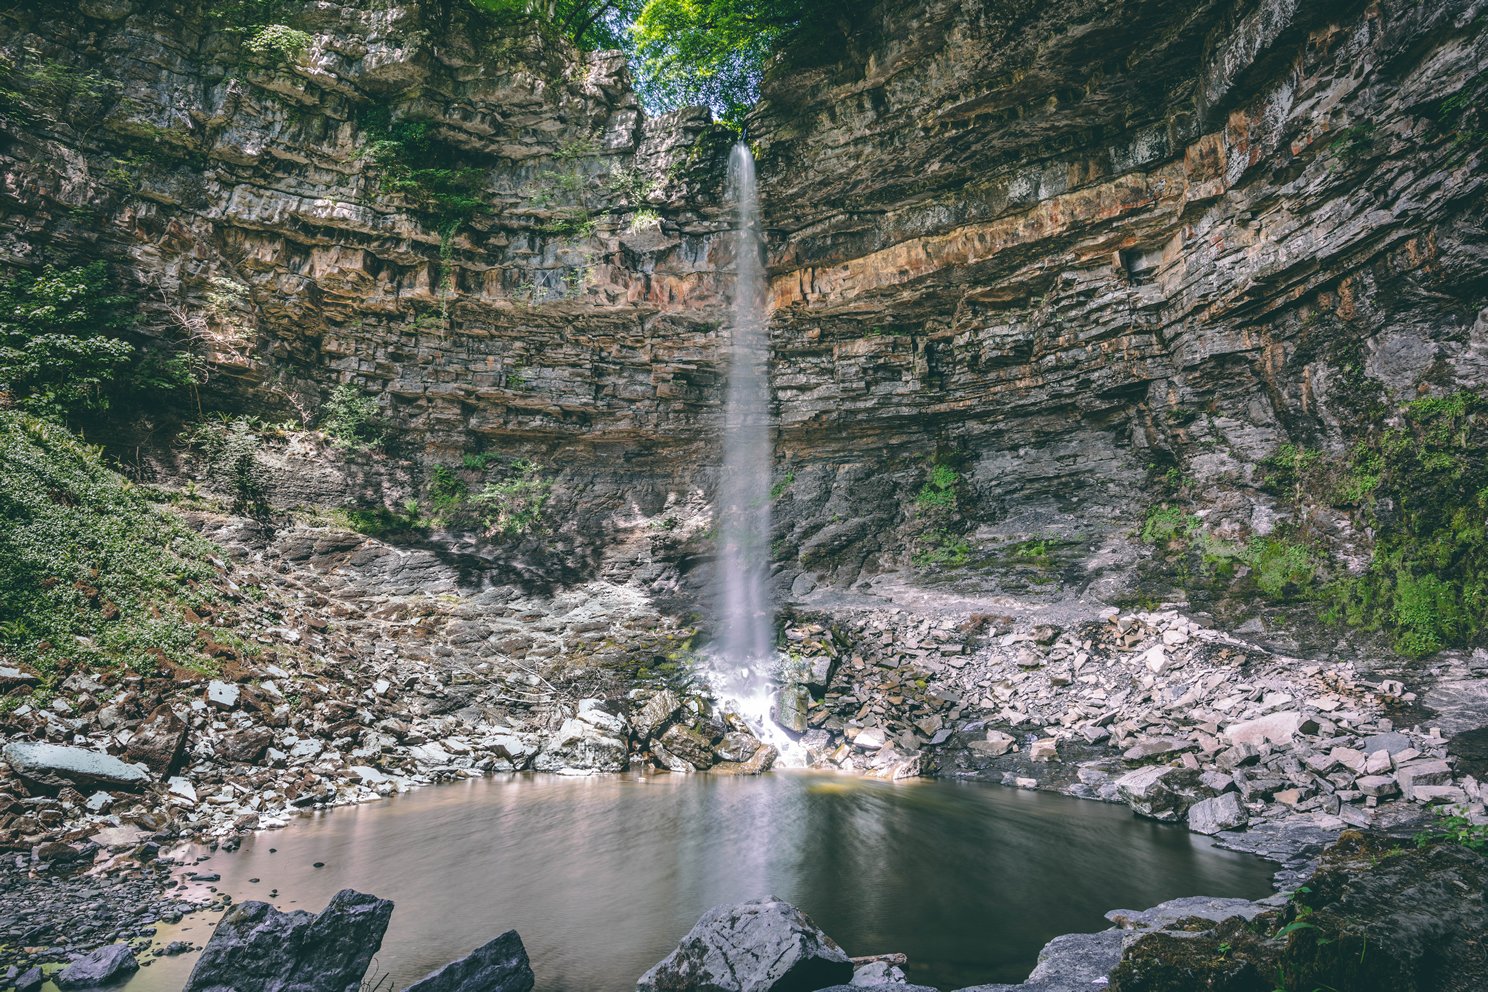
(683, 52)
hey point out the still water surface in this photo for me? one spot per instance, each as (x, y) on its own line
(603, 876)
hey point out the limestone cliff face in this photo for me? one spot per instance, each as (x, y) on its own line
(1064, 247)
(1075, 245)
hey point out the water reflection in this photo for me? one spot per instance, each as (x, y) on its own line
(602, 876)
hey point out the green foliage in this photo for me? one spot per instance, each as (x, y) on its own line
(382, 522)
(1166, 524)
(939, 547)
(60, 346)
(1281, 569)
(515, 505)
(447, 490)
(630, 185)
(279, 43)
(782, 485)
(91, 573)
(939, 490)
(1453, 826)
(231, 449)
(424, 170)
(644, 220)
(1353, 143)
(34, 86)
(351, 420)
(1037, 551)
(589, 24)
(713, 53)
(1423, 487)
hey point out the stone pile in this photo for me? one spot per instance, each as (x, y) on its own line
(1180, 721)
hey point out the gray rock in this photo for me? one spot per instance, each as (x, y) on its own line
(1391, 743)
(763, 946)
(1223, 812)
(30, 981)
(53, 763)
(159, 743)
(1074, 962)
(256, 948)
(1274, 728)
(1377, 785)
(105, 966)
(655, 713)
(1161, 792)
(580, 746)
(223, 695)
(498, 966)
(791, 703)
(1165, 914)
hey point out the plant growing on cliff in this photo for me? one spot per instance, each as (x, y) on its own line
(279, 43)
(350, 419)
(62, 349)
(515, 505)
(231, 448)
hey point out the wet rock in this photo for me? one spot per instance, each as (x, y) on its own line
(1210, 816)
(997, 743)
(256, 948)
(53, 764)
(763, 946)
(792, 701)
(29, 980)
(105, 966)
(1070, 963)
(498, 966)
(1161, 792)
(655, 713)
(761, 762)
(689, 745)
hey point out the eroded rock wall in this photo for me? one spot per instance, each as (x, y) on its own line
(1065, 248)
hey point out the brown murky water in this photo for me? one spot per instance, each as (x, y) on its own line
(602, 876)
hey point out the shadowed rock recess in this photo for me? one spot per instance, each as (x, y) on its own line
(1129, 394)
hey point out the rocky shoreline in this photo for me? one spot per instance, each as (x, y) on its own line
(1182, 722)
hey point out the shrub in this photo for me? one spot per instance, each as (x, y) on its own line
(350, 419)
(231, 448)
(515, 505)
(60, 349)
(279, 43)
(939, 490)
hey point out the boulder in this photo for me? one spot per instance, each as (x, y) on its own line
(499, 966)
(246, 747)
(1223, 812)
(1412, 774)
(256, 948)
(30, 981)
(105, 966)
(761, 762)
(159, 743)
(1162, 792)
(763, 946)
(59, 764)
(580, 746)
(1273, 728)
(996, 744)
(223, 695)
(737, 746)
(686, 743)
(792, 701)
(655, 713)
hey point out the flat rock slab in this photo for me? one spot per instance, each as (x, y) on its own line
(49, 763)
(498, 966)
(763, 946)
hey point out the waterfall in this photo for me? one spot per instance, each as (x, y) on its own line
(747, 627)
(745, 617)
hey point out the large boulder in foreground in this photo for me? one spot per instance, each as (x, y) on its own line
(105, 966)
(498, 966)
(256, 948)
(595, 740)
(763, 946)
(56, 765)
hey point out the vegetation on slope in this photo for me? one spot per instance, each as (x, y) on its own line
(91, 573)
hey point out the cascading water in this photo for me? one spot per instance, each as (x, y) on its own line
(746, 621)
